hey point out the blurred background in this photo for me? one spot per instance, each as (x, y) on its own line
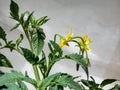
(99, 19)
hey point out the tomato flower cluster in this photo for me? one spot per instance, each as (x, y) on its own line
(82, 41)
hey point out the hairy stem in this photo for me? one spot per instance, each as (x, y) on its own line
(49, 68)
(36, 73)
(35, 69)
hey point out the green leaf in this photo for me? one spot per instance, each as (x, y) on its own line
(107, 81)
(30, 56)
(67, 80)
(2, 34)
(19, 40)
(116, 87)
(43, 63)
(56, 87)
(27, 22)
(10, 45)
(22, 85)
(49, 81)
(12, 87)
(14, 10)
(42, 20)
(1, 73)
(85, 82)
(22, 17)
(38, 41)
(90, 84)
(14, 27)
(57, 48)
(79, 60)
(4, 61)
(13, 77)
(50, 47)
(61, 79)
(30, 80)
(9, 78)
(0, 44)
(56, 52)
(3, 87)
(33, 21)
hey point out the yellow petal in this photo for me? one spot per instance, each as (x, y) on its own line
(86, 43)
(86, 39)
(62, 43)
(65, 40)
(69, 35)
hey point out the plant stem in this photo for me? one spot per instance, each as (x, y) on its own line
(49, 68)
(35, 69)
(36, 73)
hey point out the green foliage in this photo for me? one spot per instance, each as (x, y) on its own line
(10, 45)
(42, 20)
(92, 85)
(116, 87)
(67, 80)
(61, 79)
(15, 26)
(36, 56)
(11, 87)
(57, 48)
(22, 85)
(107, 81)
(12, 77)
(56, 87)
(19, 40)
(4, 62)
(27, 22)
(3, 87)
(38, 40)
(56, 52)
(79, 60)
(14, 10)
(30, 56)
(1, 73)
(43, 63)
(2, 34)
(0, 44)
(30, 80)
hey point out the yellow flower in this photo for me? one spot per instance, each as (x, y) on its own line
(65, 40)
(85, 43)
